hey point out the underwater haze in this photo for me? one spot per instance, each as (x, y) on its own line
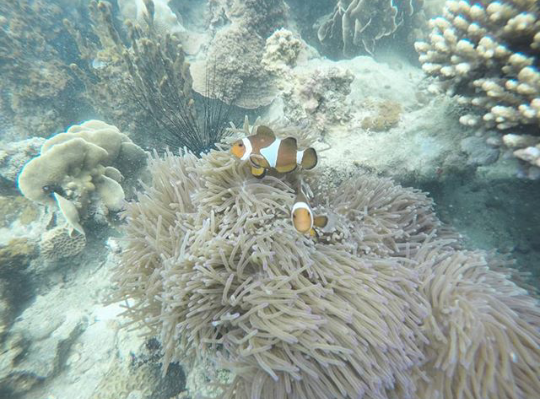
(269, 199)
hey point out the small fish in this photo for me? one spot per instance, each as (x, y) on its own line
(265, 151)
(302, 216)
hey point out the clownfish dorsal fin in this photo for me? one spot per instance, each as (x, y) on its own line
(264, 132)
(320, 221)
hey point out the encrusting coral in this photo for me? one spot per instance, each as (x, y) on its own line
(80, 171)
(487, 54)
(213, 266)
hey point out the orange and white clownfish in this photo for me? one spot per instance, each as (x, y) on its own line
(265, 151)
(302, 216)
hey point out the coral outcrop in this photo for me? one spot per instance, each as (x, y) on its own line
(213, 267)
(81, 172)
(316, 95)
(357, 25)
(231, 70)
(487, 55)
(282, 50)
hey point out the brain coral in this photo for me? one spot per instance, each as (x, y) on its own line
(214, 268)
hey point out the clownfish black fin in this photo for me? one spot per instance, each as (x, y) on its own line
(320, 221)
(309, 159)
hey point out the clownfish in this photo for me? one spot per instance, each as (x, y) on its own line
(302, 216)
(265, 151)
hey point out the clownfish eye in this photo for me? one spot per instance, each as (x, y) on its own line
(294, 215)
(240, 144)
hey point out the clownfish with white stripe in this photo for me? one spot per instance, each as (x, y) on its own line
(302, 216)
(265, 151)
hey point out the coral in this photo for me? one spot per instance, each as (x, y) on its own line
(232, 65)
(59, 243)
(486, 54)
(232, 71)
(386, 116)
(357, 25)
(317, 95)
(36, 83)
(82, 169)
(262, 17)
(281, 51)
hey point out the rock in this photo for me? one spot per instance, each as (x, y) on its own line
(13, 156)
(478, 151)
(38, 344)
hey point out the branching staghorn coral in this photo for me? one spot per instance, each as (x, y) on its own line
(151, 76)
(357, 25)
(487, 54)
(213, 266)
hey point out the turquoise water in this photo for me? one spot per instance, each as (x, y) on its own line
(269, 199)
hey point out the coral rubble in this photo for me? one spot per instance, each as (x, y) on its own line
(487, 55)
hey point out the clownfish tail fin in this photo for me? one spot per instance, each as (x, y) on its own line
(309, 159)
